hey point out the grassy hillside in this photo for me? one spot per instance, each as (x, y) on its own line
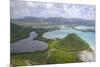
(58, 56)
(70, 43)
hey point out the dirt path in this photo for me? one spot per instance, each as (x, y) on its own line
(28, 63)
(49, 54)
(67, 51)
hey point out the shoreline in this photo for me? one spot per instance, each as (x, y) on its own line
(87, 56)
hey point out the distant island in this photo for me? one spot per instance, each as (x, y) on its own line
(52, 21)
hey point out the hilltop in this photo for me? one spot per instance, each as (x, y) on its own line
(72, 42)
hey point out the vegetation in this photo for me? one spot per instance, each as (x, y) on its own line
(59, 56)
(71, 43)
(40, 32)
(32, 58)
(19, 32)
(59, 51)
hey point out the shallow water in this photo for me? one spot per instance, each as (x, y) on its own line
(87, 56)
(85, 27)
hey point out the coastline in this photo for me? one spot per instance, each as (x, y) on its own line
(87, 56)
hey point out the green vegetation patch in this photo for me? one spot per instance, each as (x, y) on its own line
(72, 42)
(33, 58)
(19, 32)
(58, 56)
(40, 32)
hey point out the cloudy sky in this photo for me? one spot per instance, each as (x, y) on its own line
(20, 9)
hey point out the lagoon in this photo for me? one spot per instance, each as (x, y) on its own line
(28, 45)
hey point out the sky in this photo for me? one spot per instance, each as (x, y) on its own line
(21, 9)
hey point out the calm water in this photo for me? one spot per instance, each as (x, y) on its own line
(28, 45)
(89, 37)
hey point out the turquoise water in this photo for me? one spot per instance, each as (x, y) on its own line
(85, 27)
(89, 37)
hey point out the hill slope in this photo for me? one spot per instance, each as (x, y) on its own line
(72, 42)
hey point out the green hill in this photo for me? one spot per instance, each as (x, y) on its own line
(72, 42)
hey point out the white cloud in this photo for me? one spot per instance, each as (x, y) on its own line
(49, 5)
(30, 4)
(22, 9)
(89, 2)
